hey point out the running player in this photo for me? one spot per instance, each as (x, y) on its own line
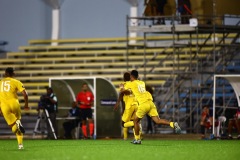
(10, 106)
(129, 107)
(146, 106)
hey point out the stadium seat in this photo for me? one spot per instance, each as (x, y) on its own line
(106, 62)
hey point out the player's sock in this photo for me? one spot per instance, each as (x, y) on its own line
(84, 130)
(125, 133)
(91, 129)
(171, 124)
(137, 137)
(19, 136)
(129, 124)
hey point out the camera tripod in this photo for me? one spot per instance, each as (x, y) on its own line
(42, 117)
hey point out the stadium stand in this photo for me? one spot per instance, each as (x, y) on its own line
(43, 59)
(106, 57)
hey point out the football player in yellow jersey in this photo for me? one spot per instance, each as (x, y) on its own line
(10, 106)
(129, 107)
(146, 106)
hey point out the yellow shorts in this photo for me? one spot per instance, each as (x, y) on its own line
(11, 111)
(147, 107)
(129, 112)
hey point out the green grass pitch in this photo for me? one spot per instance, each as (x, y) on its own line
(114, 149)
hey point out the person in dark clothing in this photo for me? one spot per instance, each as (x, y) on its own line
(234, 122)
(160, 10)
(49, 103)
(71, 124)
(184, 8)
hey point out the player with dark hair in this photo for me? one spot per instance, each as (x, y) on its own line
(129, 107)
(146, 106)
(10, 106)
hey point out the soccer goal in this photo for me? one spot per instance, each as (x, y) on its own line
(234, 81)
(106, 121)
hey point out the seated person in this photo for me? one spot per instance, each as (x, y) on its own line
(206, 120)
(71, 124)
(234, 123)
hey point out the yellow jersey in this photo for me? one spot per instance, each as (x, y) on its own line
(9, 88)
(139, 90)
(130, 99)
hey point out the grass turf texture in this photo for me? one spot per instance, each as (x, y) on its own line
(120, 150)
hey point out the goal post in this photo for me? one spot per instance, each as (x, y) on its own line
(106, 121)
(234, 81)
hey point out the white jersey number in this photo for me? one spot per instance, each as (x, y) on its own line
(5, 86)
(141, 88)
